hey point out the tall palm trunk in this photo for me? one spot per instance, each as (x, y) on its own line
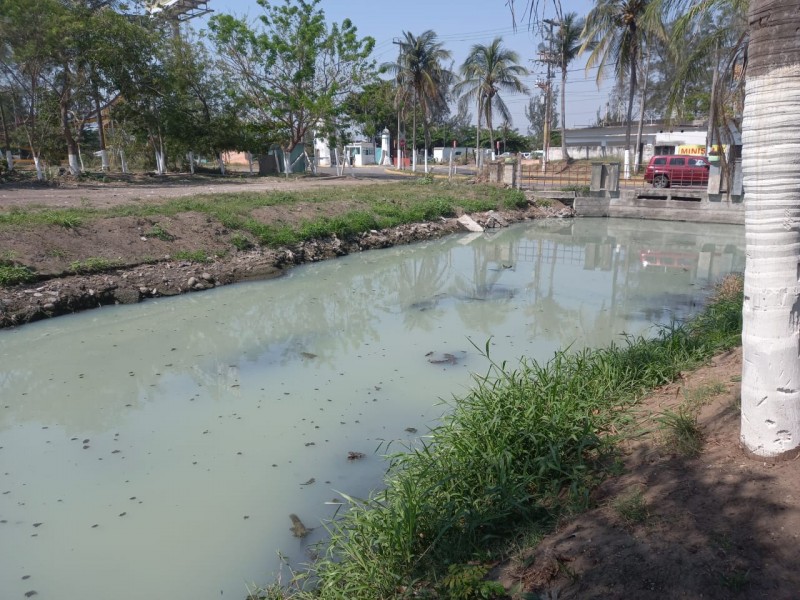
(478, 134)
(629, 117)
(771, 144)
(489, 123)
(637, 161)
(414, 135)
(564, 153)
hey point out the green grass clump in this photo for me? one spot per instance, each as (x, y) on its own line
(157, 231)
(93, 265)
(193, 255)
(632, 508)
(68, 219)
(681, 432)
(14, 274)
(240, 242)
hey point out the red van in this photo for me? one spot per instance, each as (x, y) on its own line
(677, 170)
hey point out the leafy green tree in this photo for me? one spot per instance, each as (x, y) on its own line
(372, 109)
(421, 75)
(24, 32)
(200, 115)
(71, 51)
(486, 72)
(294, 71)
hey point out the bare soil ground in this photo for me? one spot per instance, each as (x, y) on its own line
(718, 525)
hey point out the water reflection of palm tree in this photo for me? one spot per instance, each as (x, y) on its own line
(547, 316)
(485, 286)
(421, 286)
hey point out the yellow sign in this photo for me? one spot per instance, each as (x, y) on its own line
(696, 150)
(691, 149)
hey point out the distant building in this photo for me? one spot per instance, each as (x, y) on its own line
(442, 154)
(361, 153)
(609, 142)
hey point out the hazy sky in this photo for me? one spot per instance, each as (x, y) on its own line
(459, 25)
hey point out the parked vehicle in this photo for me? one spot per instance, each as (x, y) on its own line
(677, 170)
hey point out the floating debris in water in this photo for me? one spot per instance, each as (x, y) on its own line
(308, 355)
(31, 594)
(411, 429)
(298, 529)
(355, 455)
(309, 482)
(445, 358)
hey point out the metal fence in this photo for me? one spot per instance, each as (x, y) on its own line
(557, 176)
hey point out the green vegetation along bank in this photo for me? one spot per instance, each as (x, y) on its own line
(520, 451)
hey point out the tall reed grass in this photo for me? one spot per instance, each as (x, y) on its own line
(524, 446)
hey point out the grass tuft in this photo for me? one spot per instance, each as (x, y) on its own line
(157, 231)
(93, 265)
(14, 275)
(681, 431)
(632, 508)
(192, 255)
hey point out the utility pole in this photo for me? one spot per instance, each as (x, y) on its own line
(399, 151)
(548, 58)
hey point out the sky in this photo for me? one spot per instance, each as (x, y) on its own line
(459, 24)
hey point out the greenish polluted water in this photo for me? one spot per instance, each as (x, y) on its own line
(157, 450)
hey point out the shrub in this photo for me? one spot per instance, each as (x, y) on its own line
(13, 275)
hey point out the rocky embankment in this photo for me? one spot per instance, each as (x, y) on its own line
(134, 283)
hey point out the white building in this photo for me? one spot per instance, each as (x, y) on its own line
(442, 154)
(361, 153)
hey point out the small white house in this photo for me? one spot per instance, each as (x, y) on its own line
(442, 154)
(361, 153)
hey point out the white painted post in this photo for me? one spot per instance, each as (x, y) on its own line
(450, 167)
(627, 163)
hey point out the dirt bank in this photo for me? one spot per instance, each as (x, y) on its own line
(123, 260)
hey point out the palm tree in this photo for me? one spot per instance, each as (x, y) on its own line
(568, 44)
(486, 72)
(420, 73)
(771, 137)
(614, 31)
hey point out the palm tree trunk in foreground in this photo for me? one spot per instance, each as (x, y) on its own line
(564, 153)
(771, 145)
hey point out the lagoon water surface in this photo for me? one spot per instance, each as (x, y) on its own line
(157, 450)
